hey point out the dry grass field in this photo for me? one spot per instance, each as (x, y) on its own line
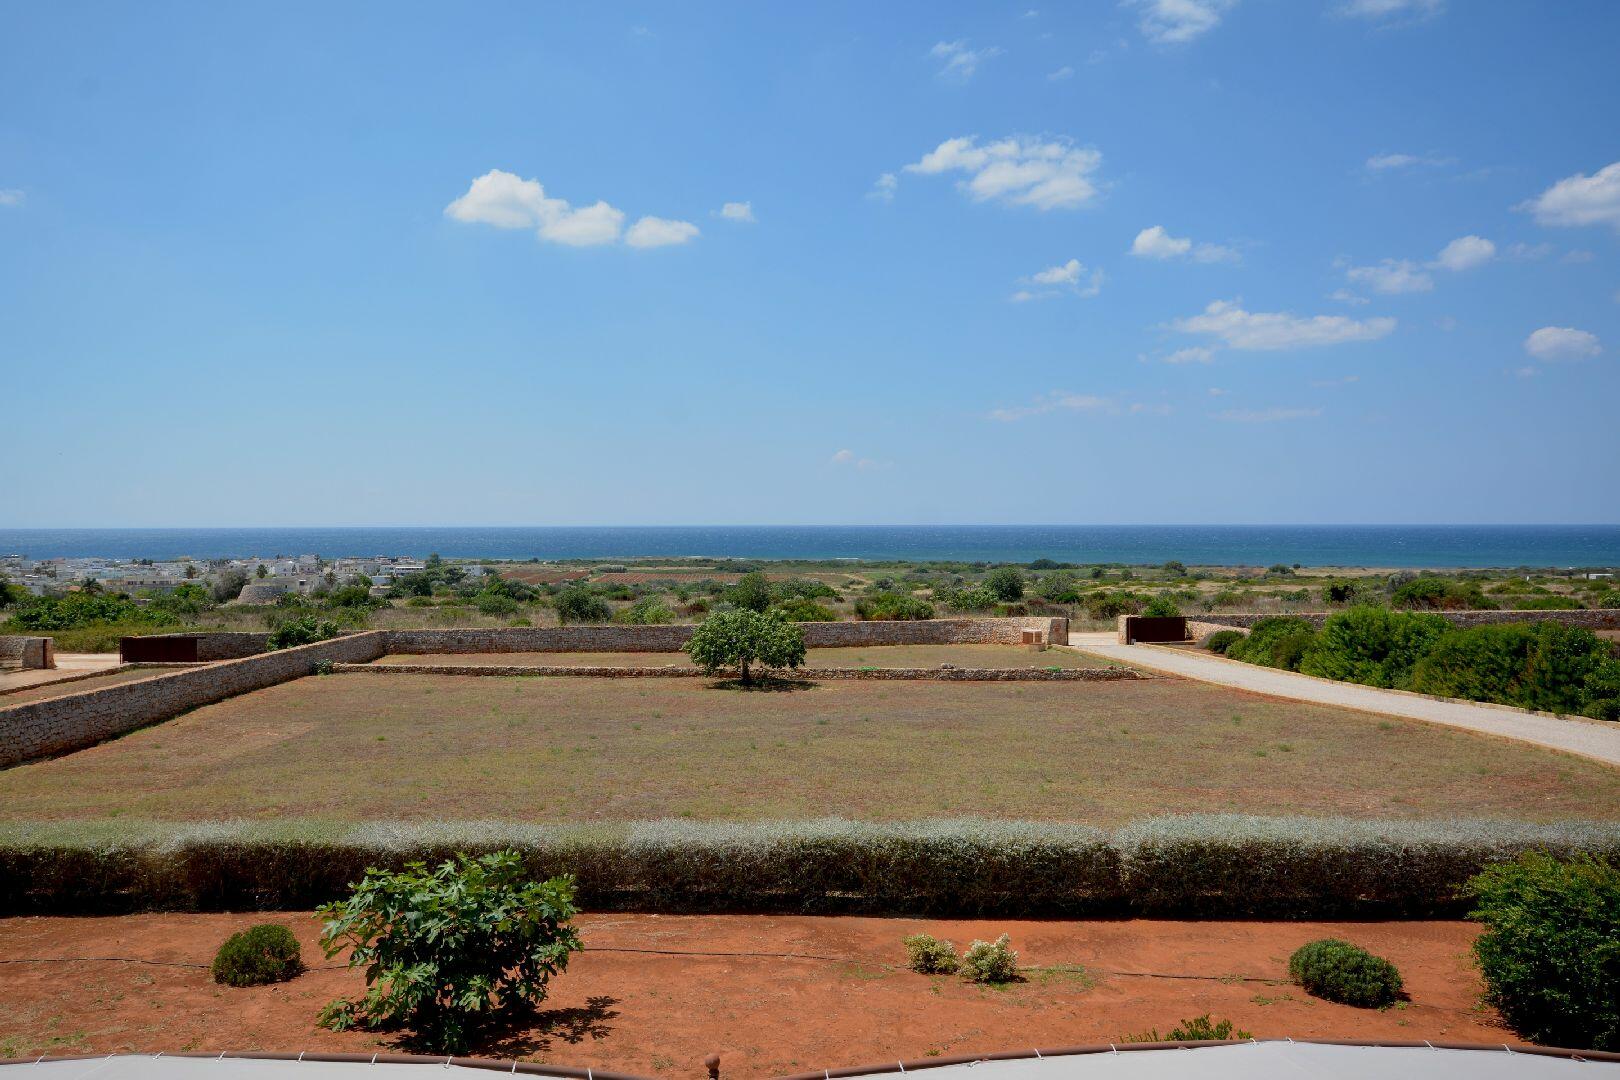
(424, 747)
(881, 656)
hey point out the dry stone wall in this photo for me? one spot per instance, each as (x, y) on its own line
(686, 671)
(817, 635)
(75, 720)
(29, 653)
(1592, 619)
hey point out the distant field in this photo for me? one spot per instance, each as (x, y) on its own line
(421, 747)
(883, 656)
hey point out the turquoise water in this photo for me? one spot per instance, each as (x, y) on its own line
(1414, 546)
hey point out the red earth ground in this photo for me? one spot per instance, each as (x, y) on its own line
(721, 985)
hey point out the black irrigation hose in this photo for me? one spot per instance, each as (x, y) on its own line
(671, 952)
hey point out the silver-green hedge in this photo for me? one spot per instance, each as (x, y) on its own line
(1187, 865)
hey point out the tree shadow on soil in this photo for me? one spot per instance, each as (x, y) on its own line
(526, 1032)
(766, 685)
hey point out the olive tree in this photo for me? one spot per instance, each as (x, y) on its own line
(737, 639)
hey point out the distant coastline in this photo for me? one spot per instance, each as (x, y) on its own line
(1394, 546)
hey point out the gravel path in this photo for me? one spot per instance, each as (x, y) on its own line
(1596, 739)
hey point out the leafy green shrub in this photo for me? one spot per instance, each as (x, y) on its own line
(1198, 1029)
(496, 604)
(1005, 583)
(1546, 666)
(1279, 642)
(1347, 592)
(305, 630)
(446, 950)
(737, 639)
(1221, 640)
(990, 961)
(893, 605)
(928, 955)
(803, 609)
(1111, 605)
(577, 604)
(968, 600)
(1550, 952)
(1441, 594)
(1372, 645)
(648, 611)
(1545, 603)
(1336, 970)
(262, 954)
(324, 667)
(752, 592)
(1161, 607)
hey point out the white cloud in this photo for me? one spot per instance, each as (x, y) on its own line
(1176, 22)
(738, 211)
(1465, 253)
(1070, 277)
(883, 187)
(1579, 255)
(1394, 161)
(1261, 330)
(851, 459)
(1057, 400)
(1345, 381)
(660, 232)
(1064, 72)
(958, 61)
(1265, 416)
(1155, 243)
(1527, 372)
(1345, 296)
(1193, 354)
(1581, 200)
(1391, 9)
(1216, 391)
(1554, 343)
(1529, 252)
(507, 201)
(11, 197)
(1018, 170)
(1392, 276)
(598, 223)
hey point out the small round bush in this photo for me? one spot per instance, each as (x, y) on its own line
(928, 955)
(1161, 607)
(266, 953)
(1339, 971)
(1221, 640)
(990, 961)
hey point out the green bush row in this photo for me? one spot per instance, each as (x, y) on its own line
(1535, 665)
(1194, 865)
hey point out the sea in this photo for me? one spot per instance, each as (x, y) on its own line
(1395, 546)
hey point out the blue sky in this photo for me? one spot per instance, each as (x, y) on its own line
(1170, 261)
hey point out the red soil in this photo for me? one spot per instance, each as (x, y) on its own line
(765, 1015)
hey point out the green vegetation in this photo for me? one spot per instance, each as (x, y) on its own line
(892, 605)
(1550, 952)
(990, 961)
(577, 604)
(302, 631)
(262, 954)
(1005, 583)
(735, 640)
(1198, 1029)
(928, 955)
(1161, 607)
(447, 950)
(1221, 640)
(1546, 666)
(1336, 970)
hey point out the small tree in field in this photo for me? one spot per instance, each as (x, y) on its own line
(737, 639)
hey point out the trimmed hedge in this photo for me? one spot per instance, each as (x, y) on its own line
(1207, 866)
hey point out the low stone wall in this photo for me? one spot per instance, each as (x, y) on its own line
(686, 671)
(28, 653)
(219, 645)
(75, 720)
(1592, 619)
(817, 635)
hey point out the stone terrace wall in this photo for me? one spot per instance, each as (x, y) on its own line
(680, 671)
(76, 720)
(27, 652)
(817, 635)
(1593, 619)
(223, 644)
